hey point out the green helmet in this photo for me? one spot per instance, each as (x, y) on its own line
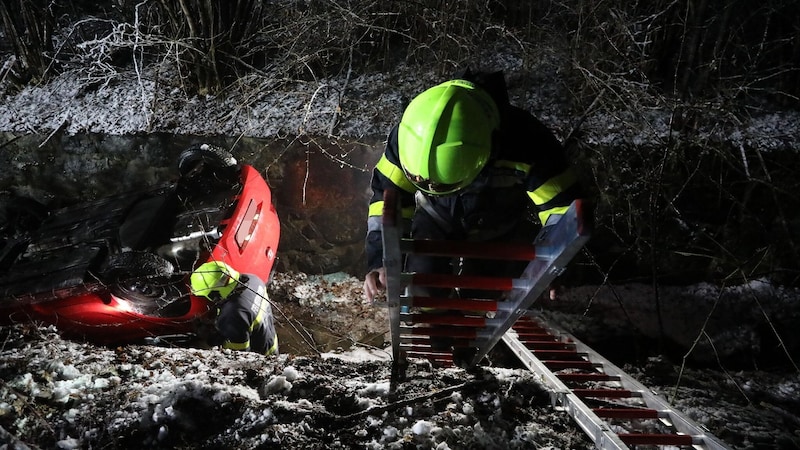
(213, 276)
(445, 136)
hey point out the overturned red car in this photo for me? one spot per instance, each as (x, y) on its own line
(115, 270)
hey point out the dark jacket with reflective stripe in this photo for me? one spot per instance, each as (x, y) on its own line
(528, 165)
(245, 318)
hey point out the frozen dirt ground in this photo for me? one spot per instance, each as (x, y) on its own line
(62, 394)
(147, 397)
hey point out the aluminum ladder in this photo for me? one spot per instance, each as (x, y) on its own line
(470, 326)
(623, 413)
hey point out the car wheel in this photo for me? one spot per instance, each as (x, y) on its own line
(205, 164)
(146, 282)
(157, 297)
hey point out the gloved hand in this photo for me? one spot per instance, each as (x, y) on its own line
(374, 283)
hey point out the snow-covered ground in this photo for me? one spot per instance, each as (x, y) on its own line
(68, 395)
(63, 394)
(351, 107)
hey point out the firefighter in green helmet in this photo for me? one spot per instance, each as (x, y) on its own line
(467, 165)
(243, 314)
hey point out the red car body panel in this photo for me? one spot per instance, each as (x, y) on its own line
(250, 240)
(247, 240)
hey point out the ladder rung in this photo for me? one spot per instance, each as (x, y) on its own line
(606, 393)
(420, 348)
(531, 330)
(463, 304)
(537, 345)
(656, 439)
(424, 341)
(627, 413)
(531, 326)
(483, 250)
(458, 281)
(455, 332)
(444, 319)
(537, 336)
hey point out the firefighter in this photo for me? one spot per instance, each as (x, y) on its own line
(466, 164)
(243, 313)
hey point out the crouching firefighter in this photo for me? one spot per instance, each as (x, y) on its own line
(243, 313)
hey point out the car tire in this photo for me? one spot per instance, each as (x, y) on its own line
(146, 282)
(130, 265)
(207, 164)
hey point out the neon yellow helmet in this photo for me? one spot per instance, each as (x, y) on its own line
(211, 277)
(445, 136)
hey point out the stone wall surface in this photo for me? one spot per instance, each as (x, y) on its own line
(320, 186)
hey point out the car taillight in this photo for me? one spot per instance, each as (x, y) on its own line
(248, 224)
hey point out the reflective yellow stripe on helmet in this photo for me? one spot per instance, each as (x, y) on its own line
(394, 174)
(554, 186)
